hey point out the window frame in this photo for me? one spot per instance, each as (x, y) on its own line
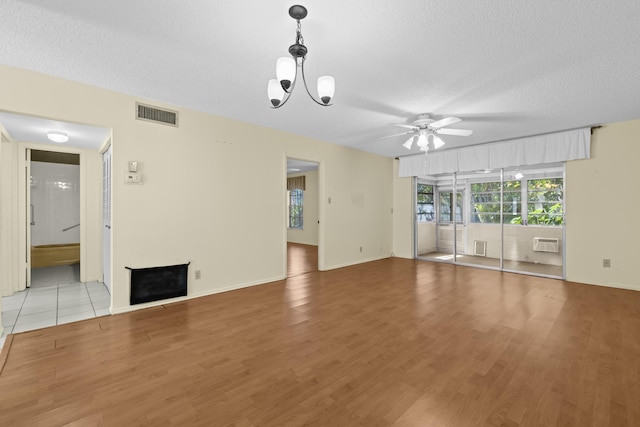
(295, 199)
(460, 196)
(425, 213)
(474, 216)
(525, 202)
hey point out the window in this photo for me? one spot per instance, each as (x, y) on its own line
(446, 201)
(425, 210)
(544, 201)
(541, 199)
(485, 202)
(296, 199)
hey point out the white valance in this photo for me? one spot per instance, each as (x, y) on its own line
(533, 150)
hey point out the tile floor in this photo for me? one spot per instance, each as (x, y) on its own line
(45, 305)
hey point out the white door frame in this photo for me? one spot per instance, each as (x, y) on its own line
(24, 259)
(321, 212)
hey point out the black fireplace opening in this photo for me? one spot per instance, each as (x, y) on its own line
(158, 283)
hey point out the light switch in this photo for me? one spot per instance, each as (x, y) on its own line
(133, 166)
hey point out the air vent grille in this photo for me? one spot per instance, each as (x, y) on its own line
(480, 248)
(156, 115)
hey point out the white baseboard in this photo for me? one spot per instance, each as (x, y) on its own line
(356, 262)
(608, 285)
(136, 307)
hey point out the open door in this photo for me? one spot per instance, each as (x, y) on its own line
(30, 215)
(106, 218)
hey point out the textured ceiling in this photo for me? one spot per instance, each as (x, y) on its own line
(507, 68)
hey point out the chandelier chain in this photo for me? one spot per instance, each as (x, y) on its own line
(299, 38)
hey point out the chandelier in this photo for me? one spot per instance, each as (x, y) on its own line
(280, 88)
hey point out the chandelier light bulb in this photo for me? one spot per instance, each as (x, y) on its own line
(275, 92)
(286, 72)
(326, 88)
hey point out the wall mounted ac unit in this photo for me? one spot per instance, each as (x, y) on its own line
(480, 248)
(546, 244)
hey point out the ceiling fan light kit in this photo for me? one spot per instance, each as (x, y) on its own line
(425, 128)
(279, 89)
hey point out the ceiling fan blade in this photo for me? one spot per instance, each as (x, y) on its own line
(455, 132)
(397, 134)
(444, 122)
(406, 126)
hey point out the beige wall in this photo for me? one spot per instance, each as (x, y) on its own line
(403, 221)
(192, 204)
(603, 208)
(8, 215)
(426, 237)
(308, 235)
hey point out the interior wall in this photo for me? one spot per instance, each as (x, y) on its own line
(8, 215)
(426, 237)
(308, 235)
(403, 220)
(602, 209)
(191, 204)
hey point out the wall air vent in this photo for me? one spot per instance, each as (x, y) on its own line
(480, 248)
(156, 115)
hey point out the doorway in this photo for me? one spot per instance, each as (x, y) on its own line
(302, 216)
(56, 258)
(54, 218)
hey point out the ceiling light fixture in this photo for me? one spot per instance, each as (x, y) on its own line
(423, 141)
(59, 137)
(280, 88)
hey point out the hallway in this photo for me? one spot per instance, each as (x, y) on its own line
(55, 297)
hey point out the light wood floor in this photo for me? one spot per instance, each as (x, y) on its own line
(520, 266)
(388, 343)
(301, 259)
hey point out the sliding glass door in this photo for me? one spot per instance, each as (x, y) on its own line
(439, 219)
(533, 236)
(507, 219)
(484, 229)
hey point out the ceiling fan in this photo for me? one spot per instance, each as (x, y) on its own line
(426, 127)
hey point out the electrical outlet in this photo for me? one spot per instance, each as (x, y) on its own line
(606, 263)
(198, 274)
(360, 249)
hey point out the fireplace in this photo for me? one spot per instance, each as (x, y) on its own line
(158, 283)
